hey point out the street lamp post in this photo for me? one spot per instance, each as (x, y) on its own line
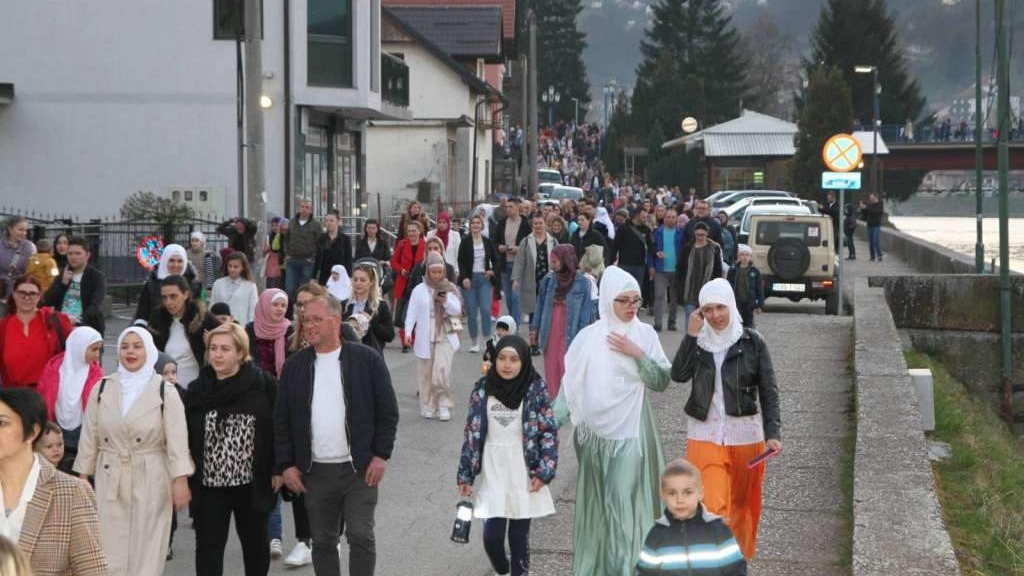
(551, 97)
(576, 111)
(876, 91)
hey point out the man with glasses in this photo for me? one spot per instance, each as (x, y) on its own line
(702, 214)
(700, 263)
(334, 426)
(81, 289)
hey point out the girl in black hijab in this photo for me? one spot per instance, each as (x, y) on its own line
(510, 414)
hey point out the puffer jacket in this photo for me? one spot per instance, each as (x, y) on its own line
(748, 379)
(540, 434)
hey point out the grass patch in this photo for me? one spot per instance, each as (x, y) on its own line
(981, 487)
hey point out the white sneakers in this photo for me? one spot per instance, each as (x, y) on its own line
(427, 413)
(275, 548)
(475, 348)
(301, 555)
(444, 415)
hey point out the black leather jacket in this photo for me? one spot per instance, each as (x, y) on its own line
(747, 379)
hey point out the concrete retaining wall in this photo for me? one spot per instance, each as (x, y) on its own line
(926, 257)
(898, 525)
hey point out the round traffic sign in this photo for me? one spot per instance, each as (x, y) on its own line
(841, 153)
(689, 124)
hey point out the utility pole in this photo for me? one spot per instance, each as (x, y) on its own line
(876, 90)
(256, 194)
(524, 150)
(979, 246)
(533, 136)
(1003, 106)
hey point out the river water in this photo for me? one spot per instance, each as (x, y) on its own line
(960, 234)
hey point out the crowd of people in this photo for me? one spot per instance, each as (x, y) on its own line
(225, 400)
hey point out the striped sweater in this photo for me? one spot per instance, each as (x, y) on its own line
(700, 546)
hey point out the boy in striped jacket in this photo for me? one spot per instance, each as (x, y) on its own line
(688, 539)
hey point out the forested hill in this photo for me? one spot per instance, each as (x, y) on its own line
(937, 38)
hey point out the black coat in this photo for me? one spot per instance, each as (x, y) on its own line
(748, 379)
(631, 245)
(371, 409)
(382, 325)
(94, 289)
(244, 242)
(714, 229)
(331, 253)
(194, 322)
(498, 237)
(249, 392)
(591, 237)
(683, 263)
(381, 252)
(872, 214)
(466, 258)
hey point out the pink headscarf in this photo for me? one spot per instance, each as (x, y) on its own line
(267, 329)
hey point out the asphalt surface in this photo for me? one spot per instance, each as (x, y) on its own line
(802, 528)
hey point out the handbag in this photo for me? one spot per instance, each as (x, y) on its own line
(452, 324)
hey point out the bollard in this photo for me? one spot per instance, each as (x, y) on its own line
(923, 387)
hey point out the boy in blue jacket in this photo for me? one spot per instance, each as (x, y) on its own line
(746, 285)
(688, 539)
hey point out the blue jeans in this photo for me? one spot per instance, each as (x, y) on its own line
(875, 241)
(274, 521)
(299, 271)
(478, 303)
(511, 298)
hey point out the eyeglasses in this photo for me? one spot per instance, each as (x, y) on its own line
(25, 294)
(634, 303)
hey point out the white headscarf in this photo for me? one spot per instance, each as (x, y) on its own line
(513, 328)
(719, 291)
(744, 249)
(74, 372)
(133, 383)
(165, 256)
(198, 236)
(341, 288)
(603, 388)
(602, 217)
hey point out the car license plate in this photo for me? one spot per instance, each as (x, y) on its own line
(777, 287)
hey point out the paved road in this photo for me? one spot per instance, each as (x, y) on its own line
(417, 500)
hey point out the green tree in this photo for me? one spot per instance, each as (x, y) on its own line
(616, 136)
(692, 66)
(862, 32)
(166, 214)
(560, 46)
(827, 111)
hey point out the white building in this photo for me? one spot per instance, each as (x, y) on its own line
(100, 100)
(433, 156)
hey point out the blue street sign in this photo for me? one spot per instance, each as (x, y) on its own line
(840, 180)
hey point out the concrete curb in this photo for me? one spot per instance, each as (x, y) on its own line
(898, 525)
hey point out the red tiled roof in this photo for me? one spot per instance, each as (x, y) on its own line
(508, 9)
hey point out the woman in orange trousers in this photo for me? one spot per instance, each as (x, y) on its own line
(733, 409)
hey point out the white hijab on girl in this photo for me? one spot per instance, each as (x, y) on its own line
(603, 388)
(719, 291)
(74, 371)
(133, 383)
(341, 288)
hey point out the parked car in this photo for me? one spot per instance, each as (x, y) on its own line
(739, 209)
(544, 189)
(549, 175)
(566, 193)
(738, 195)
(744, 230)
(796, 256)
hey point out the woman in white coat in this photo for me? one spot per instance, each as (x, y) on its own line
(433, 302)
(237, 289)
(135, 442)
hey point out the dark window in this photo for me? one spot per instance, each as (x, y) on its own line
(769, 232)
(329, 43)
(228, 20)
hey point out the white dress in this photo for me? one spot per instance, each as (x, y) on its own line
(503, 487)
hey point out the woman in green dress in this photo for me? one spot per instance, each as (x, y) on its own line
(608, 369)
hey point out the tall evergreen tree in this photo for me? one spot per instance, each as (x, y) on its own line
(560, 46)
(826, 111)
(692, 66)
(862, 32)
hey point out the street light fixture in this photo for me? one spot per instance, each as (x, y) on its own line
(551, 97)
(876, 91)
(576, 111)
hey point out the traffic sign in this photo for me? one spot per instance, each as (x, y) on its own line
(840, 180)
(841, 153)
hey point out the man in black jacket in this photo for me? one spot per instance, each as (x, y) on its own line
(80, 291)
(702, 213)
(506, 238)
(334, 427)
(872, 213)
(631, 245)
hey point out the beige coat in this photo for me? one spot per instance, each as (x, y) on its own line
(524, 271)
(134, 459)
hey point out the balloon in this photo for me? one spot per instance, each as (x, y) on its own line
(148, 252)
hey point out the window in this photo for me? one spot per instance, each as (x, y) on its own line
(329, 43)
(228, 19)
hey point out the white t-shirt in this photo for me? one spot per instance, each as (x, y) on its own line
(11, 521)
(179, 348)
(329, 437)
(478, 257)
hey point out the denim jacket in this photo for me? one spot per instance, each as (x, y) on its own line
(580, 309)
(540, 434)
(659, 246)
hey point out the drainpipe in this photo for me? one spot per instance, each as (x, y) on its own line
(287, 109)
